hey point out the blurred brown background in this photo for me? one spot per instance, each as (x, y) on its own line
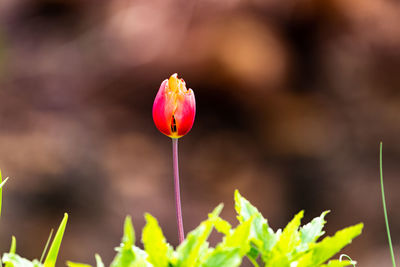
(293, 98)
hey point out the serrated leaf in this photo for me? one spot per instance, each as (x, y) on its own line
(131, 257)
(223, 257)
(154, 243)
(191, 251)
(128, 255)
(329, 246)
(269, 238)
(261, 234)
(125, 255)
(239, 238)
(222, 226)
(51, 258)
(283, 252)
(290, 237)
(310, 232)
(244, 208)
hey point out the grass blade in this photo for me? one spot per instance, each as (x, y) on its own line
(1, 189)
(46, 246)
(384, 206)
(55, 246)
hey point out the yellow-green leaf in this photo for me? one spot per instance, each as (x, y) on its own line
(154, 243)
(55, 246)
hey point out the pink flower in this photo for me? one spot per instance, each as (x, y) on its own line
(174, 107)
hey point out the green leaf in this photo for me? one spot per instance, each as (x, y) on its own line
(193, 248)
(290, 237)
(99, 262)
(13, 248)
(243, 208)
(222, 226)
(239, 238)
(128, 255)
(329, 246)
(51, 258)
(269, 238)
(278, 260)
(17, 261)
(223, 257)
(261, 234)
(154, 243)
(75, 264)
(124, 257)
(129, 233)
(338, 263)
(282, 254)
(234, 246)
(310, 232)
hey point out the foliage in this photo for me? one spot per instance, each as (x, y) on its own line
(11, 259)
(295, 246)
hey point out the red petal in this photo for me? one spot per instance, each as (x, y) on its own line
(163, 110)
(185, 113)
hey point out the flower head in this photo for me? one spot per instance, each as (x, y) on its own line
(174, 107)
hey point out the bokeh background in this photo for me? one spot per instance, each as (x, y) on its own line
(292, 96)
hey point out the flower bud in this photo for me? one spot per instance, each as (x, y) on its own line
(174, 107)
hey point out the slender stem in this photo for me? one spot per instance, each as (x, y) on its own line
(179, 220)
(384, 207)
(46, 246)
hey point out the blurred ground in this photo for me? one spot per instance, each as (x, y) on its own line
(293, 98)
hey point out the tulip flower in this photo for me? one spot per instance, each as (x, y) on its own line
(174, 109)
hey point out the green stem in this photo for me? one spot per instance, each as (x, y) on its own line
(384, 206)
(46, 246)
